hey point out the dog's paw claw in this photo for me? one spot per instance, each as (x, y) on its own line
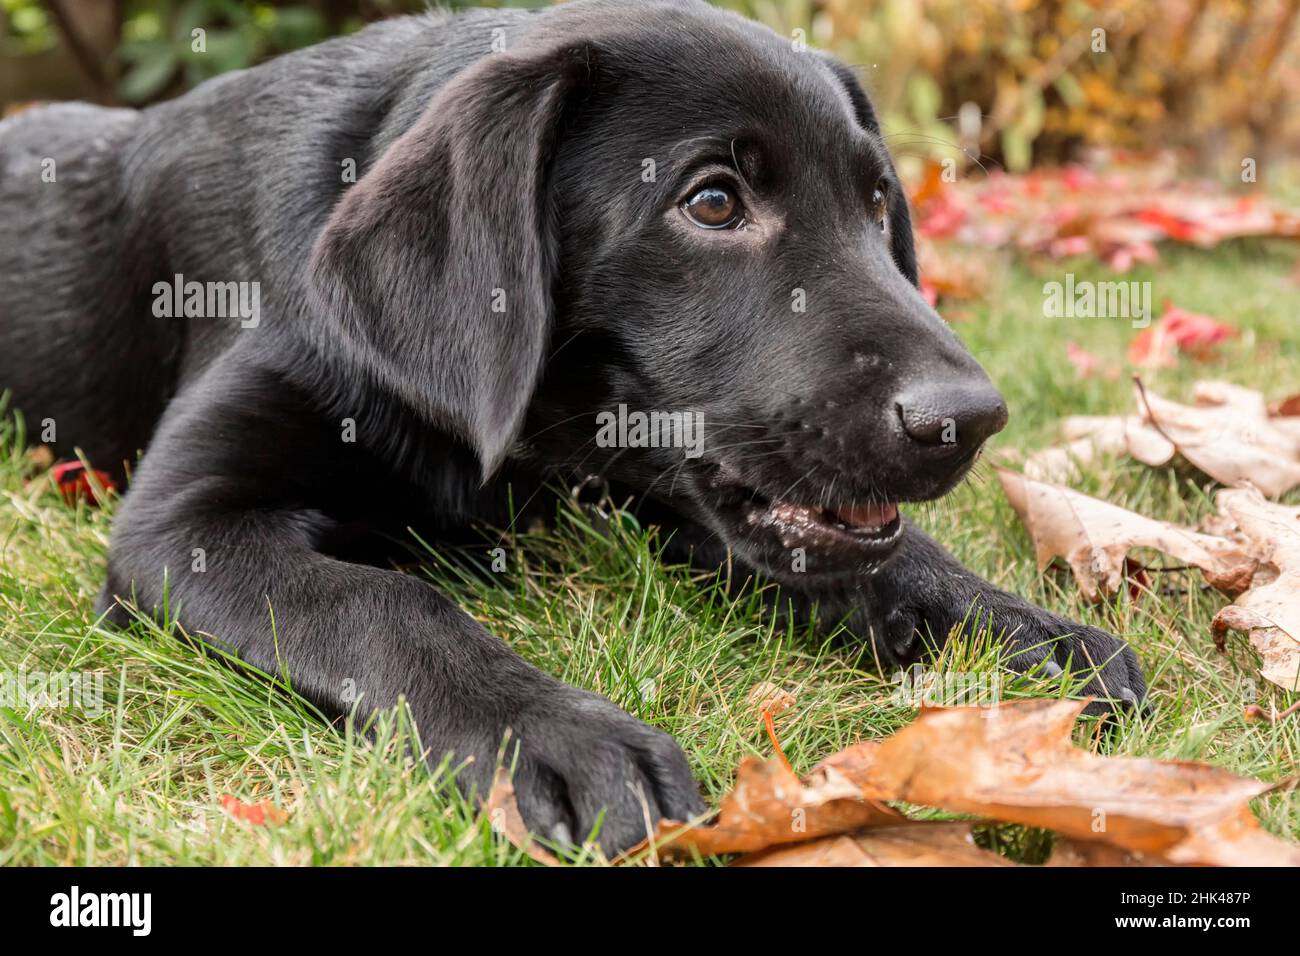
(586, 766)
(1049, 645)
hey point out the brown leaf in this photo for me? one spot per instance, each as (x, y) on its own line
(767, 698)
(1285, 407)
(1270, 611)
(1128, 434)
(1251, 549)
(1015, 763)
(770, 805)
(1272, 532)
(1018, 763)
(40, 458)
(1230, 434)
(503, 812)
(1088, 436)
(1068, 852)
(1279, 653)
(1095, 537)
(911, 844)
(1235, 840)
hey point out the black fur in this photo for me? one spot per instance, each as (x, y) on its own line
(502, 270)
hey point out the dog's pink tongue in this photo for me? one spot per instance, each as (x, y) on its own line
(867, 516)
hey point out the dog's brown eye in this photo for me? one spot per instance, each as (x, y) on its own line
(713, 207)
(878, 205)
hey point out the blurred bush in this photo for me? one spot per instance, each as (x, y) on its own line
(1012, 81)
(1024, 81)
(158, 42)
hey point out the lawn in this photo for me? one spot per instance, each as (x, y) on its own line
(141, 780)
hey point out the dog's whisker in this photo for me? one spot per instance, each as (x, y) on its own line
(922, 137)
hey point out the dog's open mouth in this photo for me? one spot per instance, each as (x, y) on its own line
(840, 537)
(867, 523)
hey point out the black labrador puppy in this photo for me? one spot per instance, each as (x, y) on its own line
(377, 283)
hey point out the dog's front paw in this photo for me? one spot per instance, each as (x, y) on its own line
(1039, 641)
(586, 766)
(1034, 640)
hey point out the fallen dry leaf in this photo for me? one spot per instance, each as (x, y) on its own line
(1279, 653)
(769, 805)
(75, 482)
(1270, 611)
(1230, 434)
(40, 458)
(1014, 763)
(911, 844)
(1020, 765)
(1256, 712)
(503, 813)
(263, 813)
(1068, 852)
(768, 698)
(1095, 537)
(1288, 407)
(1235, 840)
(1114, 210)
(1088, 365)
(1250, 549)
(1089, 436)
(1177, 330)
(771, 700)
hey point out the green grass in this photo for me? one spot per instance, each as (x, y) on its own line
(141, 781)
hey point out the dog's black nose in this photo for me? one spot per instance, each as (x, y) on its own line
(956, 416)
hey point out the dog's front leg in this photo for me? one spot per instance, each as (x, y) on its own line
(916, 600)
(344, 632)
(923, 593)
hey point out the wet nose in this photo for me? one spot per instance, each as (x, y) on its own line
(952, 415)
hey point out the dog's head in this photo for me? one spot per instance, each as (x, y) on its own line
(664, 244)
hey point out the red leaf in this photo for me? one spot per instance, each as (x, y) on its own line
(1193, 331)
(71, 478)
(1178, 331)
(1123, 257)
(1085, 363)
(930, 293)
(261, 814)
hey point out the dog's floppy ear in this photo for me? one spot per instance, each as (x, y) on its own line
(900, 220)
(432, 275)
(901, 243)
(862, 109)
